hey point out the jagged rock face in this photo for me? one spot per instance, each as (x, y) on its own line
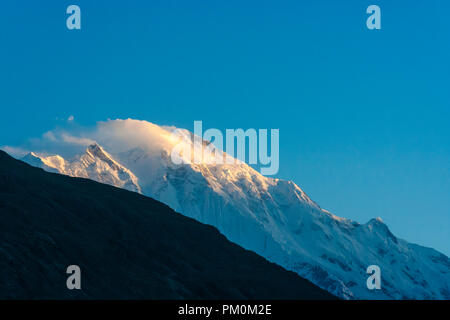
(274, 218)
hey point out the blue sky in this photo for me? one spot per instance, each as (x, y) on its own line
(363, 115)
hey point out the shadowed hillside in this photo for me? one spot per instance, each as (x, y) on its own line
(128, 246)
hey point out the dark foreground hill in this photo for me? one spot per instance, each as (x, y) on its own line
(128, 246)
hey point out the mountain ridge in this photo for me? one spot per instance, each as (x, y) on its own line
(127, 245)
(277, 220)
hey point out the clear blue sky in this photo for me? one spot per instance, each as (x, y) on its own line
(363, 115)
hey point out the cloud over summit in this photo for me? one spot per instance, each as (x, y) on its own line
(115, 135)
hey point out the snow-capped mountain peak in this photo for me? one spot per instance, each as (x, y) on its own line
(95, 164)
(272, 217)
(50, 163)
(96, 151)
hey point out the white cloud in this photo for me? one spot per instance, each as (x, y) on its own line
(121, 135)
(76, 140)
(49, 135)
(16, 152)
(115, 135)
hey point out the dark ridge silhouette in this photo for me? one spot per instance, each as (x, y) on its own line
(128, 246)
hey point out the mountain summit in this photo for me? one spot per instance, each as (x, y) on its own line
(95, 164)
(271, 217)
(128, 246)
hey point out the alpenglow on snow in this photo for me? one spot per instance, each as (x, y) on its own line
(271, 217)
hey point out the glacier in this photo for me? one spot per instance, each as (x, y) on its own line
(269, 216)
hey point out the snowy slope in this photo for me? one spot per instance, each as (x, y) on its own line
(272, 217)
(95, 164)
